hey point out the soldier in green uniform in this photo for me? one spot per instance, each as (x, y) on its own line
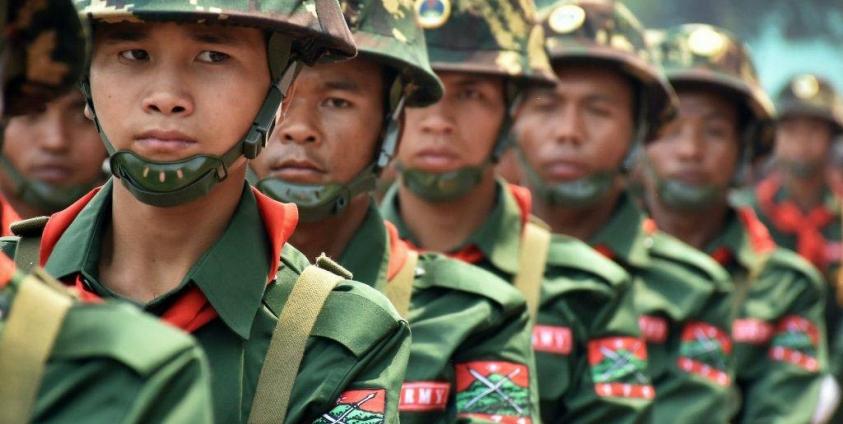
(179, 232)
(471, 358)
(574, 144)
(779, 333)
(591, 362)
(63, 360)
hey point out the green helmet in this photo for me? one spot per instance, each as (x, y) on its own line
(300, 31)
(810, 95)
(607, 33)
(385, 32)
(704, 55)
(588, 31)
(493, 37)
(700, 55)
(45, 47)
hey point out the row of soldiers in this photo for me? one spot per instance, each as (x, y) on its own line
(555, 240)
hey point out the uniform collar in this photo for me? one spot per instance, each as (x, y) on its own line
(744, 237)
(367, 254)
(624, 234)
(499, 237)
(232, 274)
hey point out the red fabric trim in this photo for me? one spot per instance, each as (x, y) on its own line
(759, 237)
(7, 270)
(789, 219)
(7, 217)
(398, 251)
(192, 310)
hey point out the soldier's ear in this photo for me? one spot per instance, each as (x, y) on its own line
(88, 112)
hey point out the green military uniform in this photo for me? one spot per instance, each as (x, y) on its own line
(779, 333)
(470, 360)
(102, 362)
(584, 307)
(684, 301)
(232, 298)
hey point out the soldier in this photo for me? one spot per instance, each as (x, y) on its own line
(51, 158)
(62, 360)
(574, 143)
(470, 359)
(180, 233)
(591, 362)
(779, 334)
(795, 202)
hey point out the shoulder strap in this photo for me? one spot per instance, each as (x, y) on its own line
(400, 289)
(29, 243)
(33, 325)
(533, 257)
(286, 349)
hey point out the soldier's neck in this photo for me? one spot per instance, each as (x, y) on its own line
(807, 193)
(147, 250)
(332, 235)
(697, 228)
(581, 223)
(444, 226)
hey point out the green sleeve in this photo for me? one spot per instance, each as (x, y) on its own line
(780, 377)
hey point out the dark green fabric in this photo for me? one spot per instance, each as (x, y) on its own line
(458, 314)
(111, 363)
(359, 341)
(680, 285)
(786, 285)
(581, 291)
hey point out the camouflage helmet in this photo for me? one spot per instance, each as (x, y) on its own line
(810, 95)
(45, 47)
(316, 26)
(497, 37)
(700, 54)
(386, 31)
(584, 31)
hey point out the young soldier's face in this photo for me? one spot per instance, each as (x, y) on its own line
(803, 139)
(168, 91)
(701, 146)
(57, 146)
(582, 125)
(332, 126)
(458, 131)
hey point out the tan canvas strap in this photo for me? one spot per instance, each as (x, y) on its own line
(286, 349)
(535, 244)
(742, 290)
(30, 331)
(29, 244)
(399, 290)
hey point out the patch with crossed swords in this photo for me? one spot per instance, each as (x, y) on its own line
(705, 350)
(357, 407)
(493, 390)
(619, 367)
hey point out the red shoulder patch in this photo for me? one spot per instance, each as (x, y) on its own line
(705, 351)
(552, 339)
(653, 328)
(751, 331)
(494, 391)
(796, 341)
(619, 367)
(357, 406)
(422, 396)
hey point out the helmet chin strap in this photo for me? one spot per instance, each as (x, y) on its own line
(317, 202)
(448, 186)
(171, 183)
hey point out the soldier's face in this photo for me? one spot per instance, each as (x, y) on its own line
(701, 146)
(57, 146)
(332, 126)
(458, 131)
(803, 139)
(580, 126)
(168, 91)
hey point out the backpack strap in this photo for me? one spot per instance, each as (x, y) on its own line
(400, 289)
(286, 348)
(29, 241)
(535, 243)
(35, 319)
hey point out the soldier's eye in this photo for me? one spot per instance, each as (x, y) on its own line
(336, 103)
(212, 56)
(134, 54)
(470, 94)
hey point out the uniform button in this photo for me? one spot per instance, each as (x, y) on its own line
(648, 242)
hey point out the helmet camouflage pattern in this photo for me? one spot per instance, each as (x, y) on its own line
(700, 54)
(45, 47)
(586, 31)
(386, 31)
(497, 37)
(810, 95)
(317, 27)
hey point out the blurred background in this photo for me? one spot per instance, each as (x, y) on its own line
(785, 36)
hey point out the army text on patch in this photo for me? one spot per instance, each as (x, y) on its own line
(653, 328)
(422, 396)
(552, 339)
(751, 331)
